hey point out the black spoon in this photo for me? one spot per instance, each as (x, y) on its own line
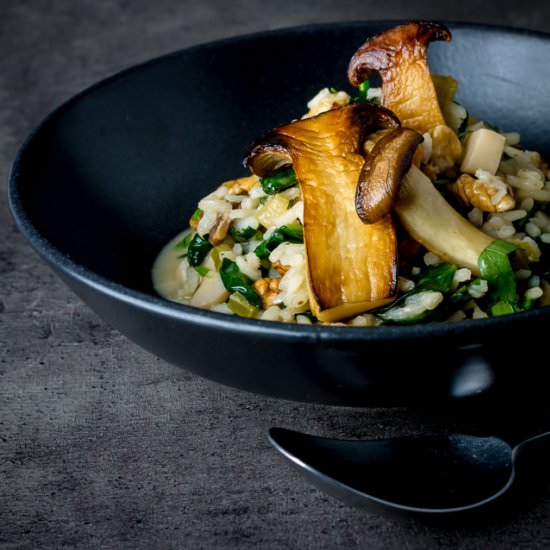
(425, 474)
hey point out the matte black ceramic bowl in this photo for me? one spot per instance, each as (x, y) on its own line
(108, 178)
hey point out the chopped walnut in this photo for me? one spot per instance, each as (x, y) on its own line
(446, 151)
(267, 289)
(241, 185)
(488, 196)
(280, 268)
(219, 230)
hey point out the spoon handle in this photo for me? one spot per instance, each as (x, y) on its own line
(539, 442)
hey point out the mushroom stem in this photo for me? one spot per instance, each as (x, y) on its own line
(434, 223)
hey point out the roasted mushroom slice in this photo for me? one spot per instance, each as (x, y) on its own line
(352, 266)
(382, 172)
(399, 55)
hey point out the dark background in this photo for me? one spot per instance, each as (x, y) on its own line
(103, 445)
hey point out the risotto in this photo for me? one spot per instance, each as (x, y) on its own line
(462, 230)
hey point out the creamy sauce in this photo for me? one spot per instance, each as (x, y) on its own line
(166, 275)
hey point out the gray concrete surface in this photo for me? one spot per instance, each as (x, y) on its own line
(103, 445)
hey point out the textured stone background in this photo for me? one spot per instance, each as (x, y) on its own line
(101, 444)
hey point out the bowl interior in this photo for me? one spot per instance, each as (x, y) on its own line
(114, 173)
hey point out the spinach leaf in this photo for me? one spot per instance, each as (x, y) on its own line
(279, 181)
(502, 308)
(202, 270)
(496, 269)
(438, 278)
(293, 233)
(236, 281)
(243, 235)
(197, 250)
(361, 95)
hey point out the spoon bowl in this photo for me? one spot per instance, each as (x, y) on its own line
(425, 474)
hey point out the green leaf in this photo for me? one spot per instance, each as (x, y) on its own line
(184, 243)
(293, 233)
(362, 91)
(439, 277)
(197, 215)
(236, 281)
(496, 269)
(243, 235)
(502, 308)
(197, 250)
(279, 181)
(202, 270)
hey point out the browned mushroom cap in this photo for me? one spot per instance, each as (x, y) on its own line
(400, 56)
(351, 266)
(382, 173)
(346, 130)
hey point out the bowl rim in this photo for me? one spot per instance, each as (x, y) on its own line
(211, 319)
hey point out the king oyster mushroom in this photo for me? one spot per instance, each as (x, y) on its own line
(352, 266)
(400, 56)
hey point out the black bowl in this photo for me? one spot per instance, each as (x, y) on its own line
(109, 177)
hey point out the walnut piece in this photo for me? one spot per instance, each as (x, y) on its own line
(280, 268)
(241, 185)
(488, 196)
(267, 289)
(219, 230)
